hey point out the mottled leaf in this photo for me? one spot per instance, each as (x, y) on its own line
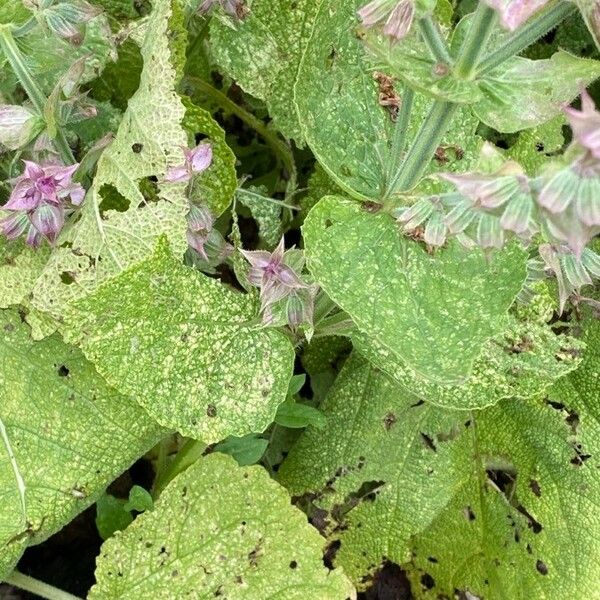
(219, 530)
(434, 313)
(190, 350)
(64, 436)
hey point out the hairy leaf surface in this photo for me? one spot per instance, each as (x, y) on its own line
(191, 351)
(434, 313)
(118, 225)
(64, 436)
(219, 530)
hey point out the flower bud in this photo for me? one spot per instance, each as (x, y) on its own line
(67, 19)
(18, 126)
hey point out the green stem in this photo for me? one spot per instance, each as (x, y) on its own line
(323, 306)
(191, 451)
(38, 588)
(434, 40)
(526, 35)
(338, 324)
(475, 42)
(35, 94)
(425, 144)
(280, 148)
(399, 139)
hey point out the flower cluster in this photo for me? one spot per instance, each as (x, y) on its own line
(39, 202)
(396, 16)
(276, 275)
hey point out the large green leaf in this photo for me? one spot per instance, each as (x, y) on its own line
(263, 52)
(64, 436)
(191, 351)
(434, 313)
(382, 468)
(338, 104)
(499, 503)
(522, 362)
(118, 225)
(219, 530)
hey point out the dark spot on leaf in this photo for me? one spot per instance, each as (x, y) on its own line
(417, 404)
(469, 514)
(330, 552)
(535, 487)
(432, 559)
(389, 420)
(211, 410)
(328, 223)
(371, 207)
(541, 567)
(137, 147)
(9, 327)
(427, 581)
(293, 564)
(63, 371)
(428, 442)
(67, 278)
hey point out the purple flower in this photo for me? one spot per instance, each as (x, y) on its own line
(513, 13)
(396, 16)
(585, 124)
(234, 8)
(197, 160)
(429, 211)
(204, 238)
(272, 273)
(37, 202)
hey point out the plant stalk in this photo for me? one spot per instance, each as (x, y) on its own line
(37, 587)
(35, 94)
(434, 40)
(526, 35)
(191, 451)
(475, 42)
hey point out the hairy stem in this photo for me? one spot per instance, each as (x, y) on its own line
(191, 451)
(434, 40)
(35, 94)
(442, 112)
(279, 147)
(526, 35)
(34, 586)
(475, 41)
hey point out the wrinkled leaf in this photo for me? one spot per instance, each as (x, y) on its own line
(190, 350)
(433, 313)
(219, 530)
(64, 436)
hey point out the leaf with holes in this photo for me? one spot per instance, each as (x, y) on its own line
(434, 313)
(118, 224)
(254, 545)
(62, 436)
(190, 350)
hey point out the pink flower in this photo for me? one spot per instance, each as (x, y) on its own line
(197, 160)
(271, 272)
(513, 13)
(397, 17)
(585, 124)
(37, 202)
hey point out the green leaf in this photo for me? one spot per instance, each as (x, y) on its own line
(524, 93)
(216, 186)
(296, 415)
(263, 54)
(382, 468)
(219, 530)
(139, 500)
(111, 516)
(532, 148)
(342, 120)
(64, 436)
(20, 266)
(522, 362)
(296, 384)
(433, 313)
(265, 211)
(246, 450)
(190, 350)
(118, 225)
